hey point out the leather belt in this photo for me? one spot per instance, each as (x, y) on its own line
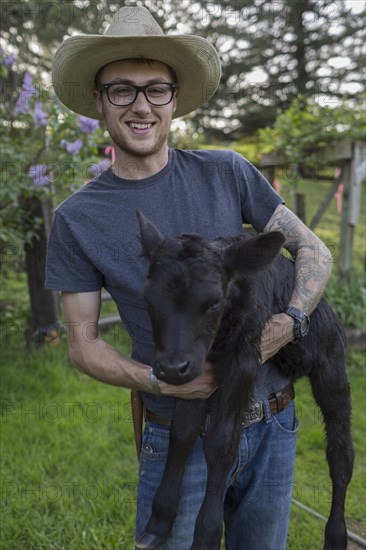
(255, 413)
(277, 403)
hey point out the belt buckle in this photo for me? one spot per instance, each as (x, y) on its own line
(252, 415)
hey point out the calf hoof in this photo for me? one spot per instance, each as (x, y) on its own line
(149, 541)
(335, 536)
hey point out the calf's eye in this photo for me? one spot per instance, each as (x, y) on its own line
(214, 307)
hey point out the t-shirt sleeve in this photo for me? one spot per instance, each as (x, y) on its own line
(258, 198)
(68, 268)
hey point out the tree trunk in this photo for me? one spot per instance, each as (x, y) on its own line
(44, 312)
(298, 8)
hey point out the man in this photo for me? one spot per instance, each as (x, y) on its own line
(137, 79)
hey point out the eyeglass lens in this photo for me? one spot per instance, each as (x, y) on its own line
(156, 94)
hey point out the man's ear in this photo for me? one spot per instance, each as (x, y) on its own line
(253, 255)
(175, 99)
(98, 101)
(150, 236)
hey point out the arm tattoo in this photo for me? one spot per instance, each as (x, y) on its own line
(313, 262)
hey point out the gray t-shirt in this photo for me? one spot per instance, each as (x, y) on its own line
(94, 240)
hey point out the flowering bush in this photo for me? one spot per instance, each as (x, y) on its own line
(47, 152)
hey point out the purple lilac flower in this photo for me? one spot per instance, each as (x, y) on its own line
(99, 167)
(9, 60)
(22, 105)
(87, 125)
(72, 147)
(28, 82)
(37, 174)
(40, 117)
(28, 91)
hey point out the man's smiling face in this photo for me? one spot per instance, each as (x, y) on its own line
(139, 129)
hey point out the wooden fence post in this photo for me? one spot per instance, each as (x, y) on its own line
(353, 173)
(300, 206)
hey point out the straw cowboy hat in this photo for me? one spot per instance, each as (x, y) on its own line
(134, 33)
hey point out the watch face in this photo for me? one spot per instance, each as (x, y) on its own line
(304, 326)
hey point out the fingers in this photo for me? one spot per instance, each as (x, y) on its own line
(200, 388)
(277, 333)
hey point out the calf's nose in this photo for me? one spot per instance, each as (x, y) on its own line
(173, 372)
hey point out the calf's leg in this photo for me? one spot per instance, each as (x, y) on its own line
(332, 394)
(221, 445)
(185, 428)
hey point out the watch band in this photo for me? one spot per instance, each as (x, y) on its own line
(154, 384)
(302, 322)
(295, 312)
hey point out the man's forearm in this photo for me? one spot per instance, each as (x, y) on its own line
(313, 266)
(101, 361)
(313, 261)
(312, 270)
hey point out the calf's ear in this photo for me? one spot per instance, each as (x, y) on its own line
(150, 236)
(253, 255)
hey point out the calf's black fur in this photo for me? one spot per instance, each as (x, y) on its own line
(210, 302)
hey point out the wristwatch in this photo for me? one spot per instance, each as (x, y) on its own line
(302, 322)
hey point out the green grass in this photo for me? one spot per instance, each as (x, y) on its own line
(69, 469)
(312, 482)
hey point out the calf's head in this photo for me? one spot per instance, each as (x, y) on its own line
(186, 291)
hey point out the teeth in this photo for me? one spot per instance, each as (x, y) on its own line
(140, 126)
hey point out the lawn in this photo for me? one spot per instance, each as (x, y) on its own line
(68, 463)
(69, 469)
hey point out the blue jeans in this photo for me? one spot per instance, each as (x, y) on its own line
(258, 496)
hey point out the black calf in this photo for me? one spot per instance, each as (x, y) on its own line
(210, 301)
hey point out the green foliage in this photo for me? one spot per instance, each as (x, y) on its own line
(307, 126)
(251, 149)
(35, 133)
(273, 51)
(348, 299)
(34, 28)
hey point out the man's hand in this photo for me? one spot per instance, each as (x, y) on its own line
(200, 388)
(278, 332)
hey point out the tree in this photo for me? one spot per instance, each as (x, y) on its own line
(46, 151)
(34, 28)
(271, 50)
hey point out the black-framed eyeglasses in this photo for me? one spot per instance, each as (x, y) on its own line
(121, 95)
